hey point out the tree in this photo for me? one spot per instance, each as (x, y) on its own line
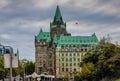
(30, 67)
(3, 71)
(67, 76)
(103, 61)
(26, 67)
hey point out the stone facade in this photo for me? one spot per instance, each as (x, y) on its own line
(57, 52)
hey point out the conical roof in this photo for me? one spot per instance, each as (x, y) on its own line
(40, 30)
(57, 13)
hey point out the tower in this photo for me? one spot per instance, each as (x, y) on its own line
(41, 52)
(58, 27)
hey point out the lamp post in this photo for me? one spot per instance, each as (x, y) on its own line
(25, 69)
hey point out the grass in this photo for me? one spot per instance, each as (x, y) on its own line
(117, 80)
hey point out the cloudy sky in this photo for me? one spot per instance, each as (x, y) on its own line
(21, 20)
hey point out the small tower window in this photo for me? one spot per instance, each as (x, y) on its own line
(62, 69)
(81, 49)
(75, 69)
(81, 41)
(66, 69)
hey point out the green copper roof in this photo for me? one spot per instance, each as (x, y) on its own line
(55, 40)
(63, 25)
(43, 35)
(58, 14)
(57, 22)
(77, 40)
(54, 25)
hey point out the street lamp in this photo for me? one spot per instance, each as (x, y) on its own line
(25, 69)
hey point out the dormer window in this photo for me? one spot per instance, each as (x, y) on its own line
(81, 41)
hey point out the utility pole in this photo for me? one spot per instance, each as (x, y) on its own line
(10, 60)
(11, 66)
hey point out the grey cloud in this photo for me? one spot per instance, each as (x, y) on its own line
(91, 15)
(19, 4)
(17, 30)
(25, 44)
(115, 3)
(19, 17)
(81, 14)
(28, 4)
(34, 14)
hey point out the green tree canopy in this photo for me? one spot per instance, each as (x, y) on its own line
(100, 62)
(3, 71)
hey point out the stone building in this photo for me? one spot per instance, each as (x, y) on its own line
(57, 52)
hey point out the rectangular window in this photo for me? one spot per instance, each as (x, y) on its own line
(66, 59)
(66, 54)
(66, 69)
(70, 59)
(66, 64)
(74, 64)
(62, 54)
(85, 49)
(50, 65)
(62, 69)
(74, 69)
(40, 69)
(50, 56)
(74, 59)
(62, 64)
(70, 54)
(70, 64)
(62, 59)
(78, 64)
(74, 54)
(78, 59)
(81, 49)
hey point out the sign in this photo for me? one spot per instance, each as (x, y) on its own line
(7, 60)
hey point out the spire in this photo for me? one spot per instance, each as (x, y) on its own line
(95, 37)
(57, 14)
(40, 30)
(94, 34)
